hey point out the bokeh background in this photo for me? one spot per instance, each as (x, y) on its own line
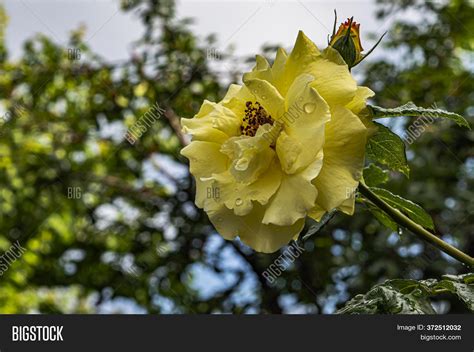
(111, 227)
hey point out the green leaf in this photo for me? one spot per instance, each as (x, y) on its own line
(410, 109)
(374, 175)
(383, 218)
(388, 298)
(404, 296)
(386, 148)
(462, 286)
(410, 209)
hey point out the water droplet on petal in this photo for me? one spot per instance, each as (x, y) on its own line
(242, 164)
(264, 97)
(239, 202)
(309, 108)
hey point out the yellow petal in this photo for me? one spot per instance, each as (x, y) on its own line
(236, 99)
(304, 123)
(359, 100)
(267, 95)
(261, 63)
(234, 91)
(348, 206)
(240, 196)
(289, 150)
(205, 109)
(205, 158)
(344, 153)
(316, 213)
(333, 55)
(358, 105)
(263, 71)
(207, 195)
(202, 130)
(212, 116)
(225, 120)
(251, 156)
(261, 237)
(278, 69)
(333, 82)
(295, 196)
(304, 53)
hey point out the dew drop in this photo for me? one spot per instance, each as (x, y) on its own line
(264, 97)
(239, 202)
(309, 108)
(242, 164)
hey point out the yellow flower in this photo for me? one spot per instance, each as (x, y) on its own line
(285, 145)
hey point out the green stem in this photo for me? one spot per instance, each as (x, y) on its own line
(418, 230)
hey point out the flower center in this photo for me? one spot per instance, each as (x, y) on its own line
(255, 116)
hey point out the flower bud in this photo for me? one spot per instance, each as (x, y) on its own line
(347, 42)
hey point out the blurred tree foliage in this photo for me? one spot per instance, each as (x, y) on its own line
(111, 227)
